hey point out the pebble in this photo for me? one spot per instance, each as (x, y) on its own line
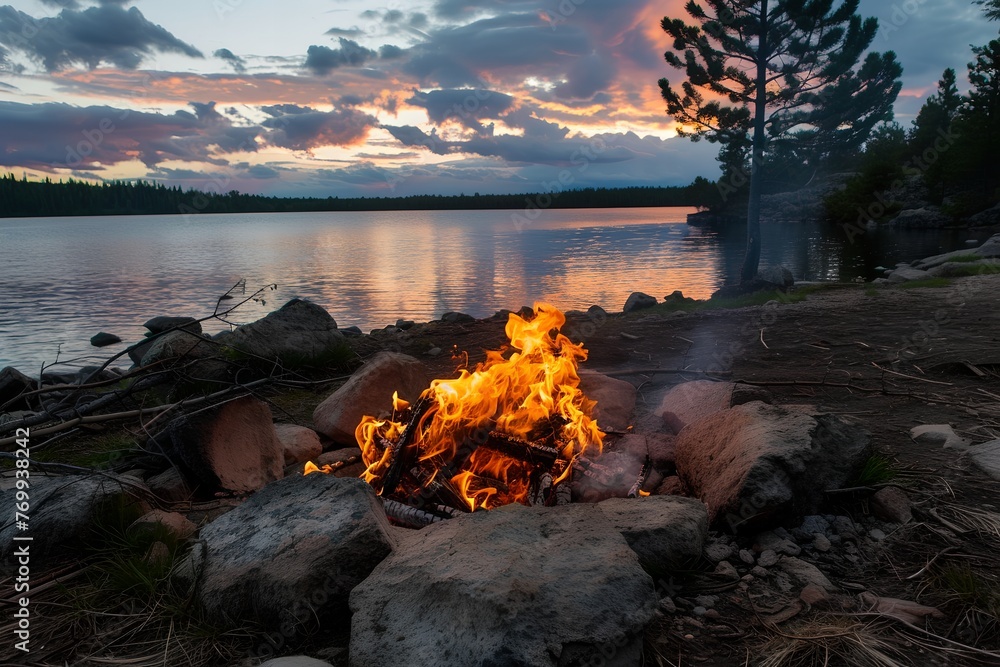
(717, 551)
(713, 614)
(727, 570)
(707, 601)
(699, 611)
(434, 351)
(747, 556)
(821, 543)
(767, 558)
(876, 534)
(667, 605)
(759, 572)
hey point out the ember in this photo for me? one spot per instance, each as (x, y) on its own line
(511, 431)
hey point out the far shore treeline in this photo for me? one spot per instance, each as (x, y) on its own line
(24, 198)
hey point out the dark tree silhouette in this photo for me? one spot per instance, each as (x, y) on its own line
(767, 71)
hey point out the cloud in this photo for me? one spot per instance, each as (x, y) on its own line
(304, 128)
(464, 105)
(105, 34)
(390, 52)
(55, 135)
(322, 59)
(262, 172)
(239, 65)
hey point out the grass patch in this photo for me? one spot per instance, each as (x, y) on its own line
(971, 257)
(926, 282)
(871, 290)
(877, 469)
(101, 452)
(795, 295)
(973, 270)
(960, 582)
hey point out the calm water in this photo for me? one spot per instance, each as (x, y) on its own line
(65, 279)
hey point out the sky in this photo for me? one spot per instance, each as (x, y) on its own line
(385, 98)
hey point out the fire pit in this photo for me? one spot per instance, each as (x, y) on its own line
(513, 430)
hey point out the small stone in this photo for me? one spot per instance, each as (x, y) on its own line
(104, 339)
(404, 324)
(433, 352)
(748, 578)
(767, 558)
(707, 601)
(727, 570)
(892, 504)
(457, 318)
(699, 611)
(804, 573)
(759, 572)
(876, 534)
(747, 556)
(781, 544)
(352, 331)
(821, 543)
(712, 614)
(667, 605)
(718, 551)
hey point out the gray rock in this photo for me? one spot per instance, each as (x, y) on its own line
(638, 301)
(174, 523)
(986, 457)
(719, 551)
(457, 318)
(352, 331)
(232, 446)
(299, 333)
(293, 551)
(876, 534)
(595, 312)
(671, 486)
(771, 539)
(171, 486)
(14, 383)
(369, 392)
(767, 558)
(512, 586)
(295, 661)
(821, 543)
(892, 504)
(920, 218)
(103, 339)
(691, 401)
(727, 570)
(667, 605)
(62, 513)
(165, 323)
(404, 324)
(298, 443)
(803, 573)
(664, 531)
(906, 274)
(941, 435)
(699, 611)
(747, 556)
(845, 527)
(178, 345)
(658, 446)
(758, 465)
(759, 571)
(987, 218)
(776, 275)
(615, 399)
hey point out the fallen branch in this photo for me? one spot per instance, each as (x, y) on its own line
(663, 371)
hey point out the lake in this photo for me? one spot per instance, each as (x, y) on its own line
(65, 279)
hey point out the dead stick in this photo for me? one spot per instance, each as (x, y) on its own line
(643, 473)
(927, 567)
(655, 371)
(911, 377)
(399, 454)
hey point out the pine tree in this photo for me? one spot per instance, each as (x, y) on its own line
(936, 114)
(777, 71)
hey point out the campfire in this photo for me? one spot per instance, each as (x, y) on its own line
(513, 430)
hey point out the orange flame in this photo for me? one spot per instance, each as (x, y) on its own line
(535, 388)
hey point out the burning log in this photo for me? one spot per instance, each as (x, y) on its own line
(643, 474)
(409, 516)
(442, 489)
(401, 449)
(522, 450)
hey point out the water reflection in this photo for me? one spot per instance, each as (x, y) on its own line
(67, 278)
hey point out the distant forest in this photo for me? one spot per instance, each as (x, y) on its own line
(24, 198)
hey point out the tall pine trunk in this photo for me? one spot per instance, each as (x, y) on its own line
(752, 260)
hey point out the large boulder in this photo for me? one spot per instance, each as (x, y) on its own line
(638, 301)
(13, 385)
(986, 457)
(920, 218)
(232, 446)
(292, 552)
(298, 333)
(690, 401)
(369, 392)
(758, 464)
(540, 586)
(179, 344)
(905, 274)
(957, 269)
(615, 399)
(987, 218)
(162, 323)
(62, 514)
(666, 532)
(776, 275)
